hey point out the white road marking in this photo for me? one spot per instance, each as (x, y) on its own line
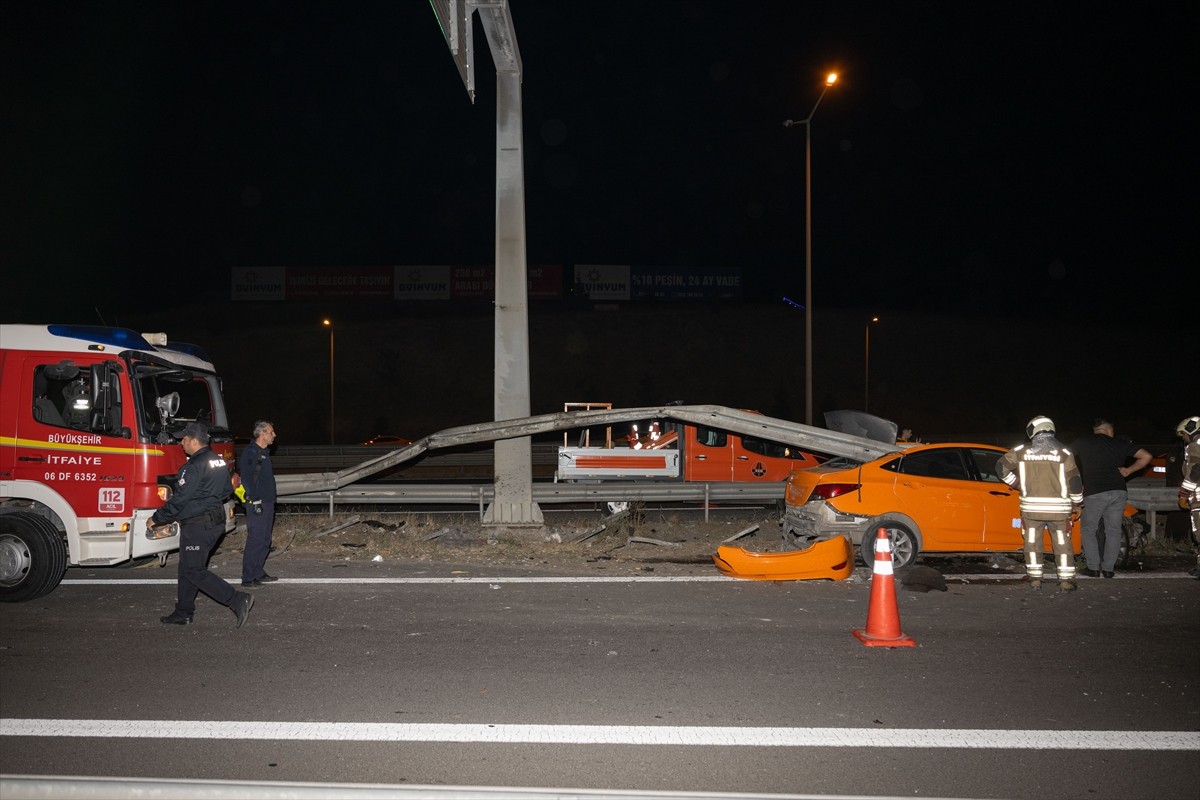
(674, 736)
(963, 579)
(513, 579)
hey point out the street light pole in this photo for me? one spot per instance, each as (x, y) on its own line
(328, 323)
(867, 362)
(830, 79)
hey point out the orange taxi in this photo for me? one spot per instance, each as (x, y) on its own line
(936, 498)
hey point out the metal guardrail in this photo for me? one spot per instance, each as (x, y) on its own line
(744, 422)
(1143, 498)
(320, 458)
(469, 494)
(1153, 498)
(28, 787)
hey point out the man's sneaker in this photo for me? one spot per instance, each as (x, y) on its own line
(1091, 573)
(1067, 586)
(267, 578)
(241, 605)
(1108, 574)
(175, 618)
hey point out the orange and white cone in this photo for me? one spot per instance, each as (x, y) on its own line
(883, 618)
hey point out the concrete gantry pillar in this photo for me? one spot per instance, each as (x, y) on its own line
(513, 503)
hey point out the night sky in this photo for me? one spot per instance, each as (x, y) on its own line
(976, 157)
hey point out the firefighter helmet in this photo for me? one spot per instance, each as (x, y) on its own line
(1039, 425)
(1188, 427)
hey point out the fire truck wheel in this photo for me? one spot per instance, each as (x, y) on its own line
(33, 557)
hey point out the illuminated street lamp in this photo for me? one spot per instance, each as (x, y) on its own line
(867, 361)
(328, 323)
(830, 79)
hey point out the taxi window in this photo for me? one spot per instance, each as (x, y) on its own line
(985, 463)
(943, 463)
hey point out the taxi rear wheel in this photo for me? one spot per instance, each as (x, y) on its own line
(1133, 532)
(903, 541)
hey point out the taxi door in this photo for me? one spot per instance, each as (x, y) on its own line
(935, 488)
(1002, 505)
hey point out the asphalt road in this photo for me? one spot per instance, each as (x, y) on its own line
(688, 684)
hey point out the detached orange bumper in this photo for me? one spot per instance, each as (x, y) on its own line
(830, 558)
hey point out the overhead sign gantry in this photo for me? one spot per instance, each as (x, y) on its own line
(513, 503)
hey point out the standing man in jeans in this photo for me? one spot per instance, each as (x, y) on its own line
(1101, 458)
(258, 479)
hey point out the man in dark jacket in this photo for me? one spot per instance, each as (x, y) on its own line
(197, 504)
(258, 479)
(1101, 457)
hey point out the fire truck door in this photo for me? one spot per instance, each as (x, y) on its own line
(66, 441)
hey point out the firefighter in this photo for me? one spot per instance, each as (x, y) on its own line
(1045, 473)
(197, 504)
(1189, 489)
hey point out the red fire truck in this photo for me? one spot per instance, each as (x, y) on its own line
(90, 419)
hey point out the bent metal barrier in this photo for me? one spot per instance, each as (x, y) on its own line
(336, 487)
(303, 488)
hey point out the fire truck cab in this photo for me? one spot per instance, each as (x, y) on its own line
(90, 420)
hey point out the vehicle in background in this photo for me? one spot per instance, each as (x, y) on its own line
(90, 432)
(678, 451)
(944, 498)
(1155, 471)
(387, 440)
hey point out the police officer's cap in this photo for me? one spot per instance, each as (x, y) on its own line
(196, 430)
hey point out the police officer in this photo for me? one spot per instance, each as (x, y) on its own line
(1189, 489)
(258, 479)
(197, 504)
(1045, 473)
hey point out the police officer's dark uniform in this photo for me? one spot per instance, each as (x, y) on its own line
(197, 504)
(258, 480)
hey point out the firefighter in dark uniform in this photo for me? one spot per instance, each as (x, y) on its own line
(1189, 489)
(1045, 473)
(197, 504)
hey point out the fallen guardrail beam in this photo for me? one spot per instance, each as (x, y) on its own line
(818, 440)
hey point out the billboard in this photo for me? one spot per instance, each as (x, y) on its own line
(686, 283)
(430, 282)
(259, 283)
(346, 283)
(602, 281)
(544, 282)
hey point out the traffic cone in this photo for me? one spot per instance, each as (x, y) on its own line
(883, 619)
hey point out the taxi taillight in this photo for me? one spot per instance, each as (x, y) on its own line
(826, 491)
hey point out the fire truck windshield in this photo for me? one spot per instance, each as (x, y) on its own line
(199, 400)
